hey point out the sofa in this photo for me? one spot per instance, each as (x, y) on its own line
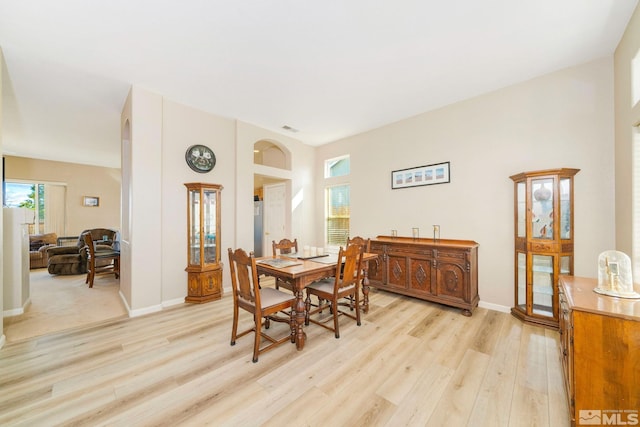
(38, 245)
(72, 259)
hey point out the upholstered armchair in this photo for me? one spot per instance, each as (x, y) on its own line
(73, 259)
(38, 245)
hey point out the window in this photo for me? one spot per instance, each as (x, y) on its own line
(47, 201)
(635, 79)
(635, 186)
(337, 201)
(339, 166)
(337, 215)
(23, 195)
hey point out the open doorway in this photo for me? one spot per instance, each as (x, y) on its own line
(272, 195)
(76, 182)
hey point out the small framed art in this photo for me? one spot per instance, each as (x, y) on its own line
(438, 173)
(91, 201)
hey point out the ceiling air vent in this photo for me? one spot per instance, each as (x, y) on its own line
(289, 128)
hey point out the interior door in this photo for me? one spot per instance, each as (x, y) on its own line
(275, 215)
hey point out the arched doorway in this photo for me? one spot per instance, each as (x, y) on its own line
(271, 195)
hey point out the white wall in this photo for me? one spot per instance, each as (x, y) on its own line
(15, 271)
(182, 127)
(141, 278)
(564, 119)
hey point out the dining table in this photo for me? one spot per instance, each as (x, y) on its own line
(302, 271)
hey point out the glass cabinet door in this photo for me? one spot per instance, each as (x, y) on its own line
(566, 265)
(542, 208)
(209, 216)
(542, 284)
(565, 208)
(522, 282)
(203, 225)
(194, 227)
(521, 209)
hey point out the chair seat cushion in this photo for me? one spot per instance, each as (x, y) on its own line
(66, 259)
(270, 296)
(105, 254)
(326, 286)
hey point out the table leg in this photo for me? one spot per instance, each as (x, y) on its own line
(299, 315)
(365, 289)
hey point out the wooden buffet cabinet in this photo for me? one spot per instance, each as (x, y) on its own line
(600, 351)
(441, 271)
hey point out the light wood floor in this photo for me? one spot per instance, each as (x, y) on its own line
(411, 363)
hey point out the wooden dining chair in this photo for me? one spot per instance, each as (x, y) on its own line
(330, 291)
(263, 303)
(284, 246)
(366, 244)
(100, 262)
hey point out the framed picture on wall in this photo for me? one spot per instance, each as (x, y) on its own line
(91, 201)
(437, 173)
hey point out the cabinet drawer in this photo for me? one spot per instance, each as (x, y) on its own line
(451, 254)
(543, 246)
(411, 251)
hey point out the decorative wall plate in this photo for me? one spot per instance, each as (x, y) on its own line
(200, 158)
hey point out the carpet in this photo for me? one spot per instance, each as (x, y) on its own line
(60, 303)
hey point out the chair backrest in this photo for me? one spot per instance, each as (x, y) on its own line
(88, 245)
(365, 243)
(350, 260)
(96, 234)
(244, 279)
(285, 246)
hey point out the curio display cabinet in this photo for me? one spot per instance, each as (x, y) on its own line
(544, 236)
(204, 269)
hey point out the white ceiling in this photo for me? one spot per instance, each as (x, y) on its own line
(330, 68)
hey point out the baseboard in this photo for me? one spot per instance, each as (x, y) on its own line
(151, 309)
(141, 311)
(146, 310)
(13, 312)
(172, 302)
(495, 307)
(17, 311)
(124, 301)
